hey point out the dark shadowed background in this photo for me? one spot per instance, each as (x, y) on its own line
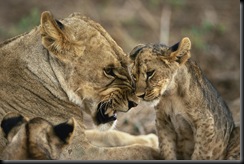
(212, 25)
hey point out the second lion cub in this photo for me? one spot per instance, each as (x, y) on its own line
(192, 119)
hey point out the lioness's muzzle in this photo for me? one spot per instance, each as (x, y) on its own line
(103, 116)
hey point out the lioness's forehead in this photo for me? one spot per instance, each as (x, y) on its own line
(90, 33)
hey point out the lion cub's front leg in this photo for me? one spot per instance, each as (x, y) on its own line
(167, 138)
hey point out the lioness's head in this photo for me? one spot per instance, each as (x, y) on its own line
(90, 66)
(155, 65)
(34, 138)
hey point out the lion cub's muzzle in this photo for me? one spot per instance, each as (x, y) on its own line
(106, 114)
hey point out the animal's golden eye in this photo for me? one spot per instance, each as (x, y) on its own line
(109, 72)
(150, 74)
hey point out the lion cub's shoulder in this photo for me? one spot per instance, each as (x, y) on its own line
(36, 138)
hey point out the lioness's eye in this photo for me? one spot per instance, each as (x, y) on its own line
(109, 72)
(150, 74)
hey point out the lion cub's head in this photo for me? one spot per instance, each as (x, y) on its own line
(91, 67)
(155, 65)
(36, 138)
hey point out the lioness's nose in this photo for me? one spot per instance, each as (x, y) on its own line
(132, 104)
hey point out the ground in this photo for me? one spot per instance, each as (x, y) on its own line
(212, 25)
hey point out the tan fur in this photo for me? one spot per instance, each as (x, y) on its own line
(192, 120)
(233, 149)
(63, 68)
(35, 138)
(113, 138)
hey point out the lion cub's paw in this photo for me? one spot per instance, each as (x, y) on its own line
(152, 140)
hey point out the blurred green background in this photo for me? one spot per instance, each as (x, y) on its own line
(212, 25)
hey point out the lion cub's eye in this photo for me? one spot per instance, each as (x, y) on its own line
(109, 72)
(150, 74)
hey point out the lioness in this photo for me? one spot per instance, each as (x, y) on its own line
(36, 138)
(192, 119)
(63, 68)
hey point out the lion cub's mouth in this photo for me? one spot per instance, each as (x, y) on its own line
(105, 113)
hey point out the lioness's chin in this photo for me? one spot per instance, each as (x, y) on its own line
(107, 126)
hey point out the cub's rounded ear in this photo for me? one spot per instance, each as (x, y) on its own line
(180, 51)
(135, 51)
(11, 123)
(64, 131)
(52, 32)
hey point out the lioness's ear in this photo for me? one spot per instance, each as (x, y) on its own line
(53, 37)
(135, 51)
(11, 123)
(65, 130)
(180, 52)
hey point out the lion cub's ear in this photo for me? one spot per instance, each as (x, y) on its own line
(53, 35)
(134, 52)
(180, 52)
(64, 131)
(11, 124)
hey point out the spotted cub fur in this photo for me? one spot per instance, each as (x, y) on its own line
(192, 119)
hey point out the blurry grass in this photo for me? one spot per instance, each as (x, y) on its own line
(25, 24)
(199, 34)
(153, 5)
(218, 28)
(136, 28)
(3, 33)
(176, 3)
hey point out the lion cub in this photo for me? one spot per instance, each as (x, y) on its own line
(34, 139)
(192, 119)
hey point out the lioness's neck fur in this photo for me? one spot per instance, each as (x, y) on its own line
(32, 66)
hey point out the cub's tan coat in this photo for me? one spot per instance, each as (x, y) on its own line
(192, 119)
